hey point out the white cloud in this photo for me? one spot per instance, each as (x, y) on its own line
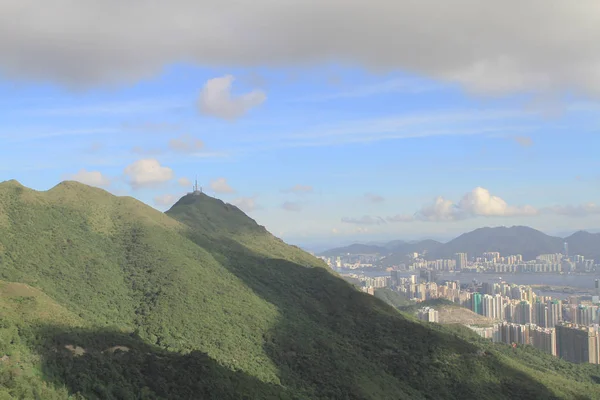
(524, 141)
(291, 206)
(386, 87)
(166, 200)
(460, 122)
(185, 182)
(92, 178)
(299, 189)
(129, 108)
(217, 100)
(490, 47)
(220, 185)
(374, 198)
(364, 220)
(246, 204)
(441, 210)
(582, 210)
(147, 172)
(401, 218)
(477, 203)
(186, 144)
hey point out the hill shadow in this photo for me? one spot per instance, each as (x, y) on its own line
(337, 343)
(108, 364)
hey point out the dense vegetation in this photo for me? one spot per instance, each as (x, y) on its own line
(202, 302)
(392, 298)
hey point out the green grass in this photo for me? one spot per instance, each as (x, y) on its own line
(208, 301)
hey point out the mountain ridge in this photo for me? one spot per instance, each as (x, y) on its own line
(517, 239)
(206, 297)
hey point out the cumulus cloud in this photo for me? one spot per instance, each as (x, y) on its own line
(291, 206)
(364, 220)
(477, 203)
(186, 144)
(185, 182)
(220, 185)
(166, 200)
(246, 204)
(299, 189)
(401, 218)
(581, 210)
(524, 141)
(147, 172)
(488, 47)
(374, 198)
(217, 100)
(92, 178)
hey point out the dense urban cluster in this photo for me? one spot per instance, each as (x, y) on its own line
(565, 328)
(491, 262)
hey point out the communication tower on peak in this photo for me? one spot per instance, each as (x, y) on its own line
(197, 189)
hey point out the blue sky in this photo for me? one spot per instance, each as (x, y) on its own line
(319, 151)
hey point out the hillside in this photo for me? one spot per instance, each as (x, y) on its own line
(203, 301)
(584, 243)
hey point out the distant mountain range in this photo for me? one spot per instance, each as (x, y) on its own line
(522, 240)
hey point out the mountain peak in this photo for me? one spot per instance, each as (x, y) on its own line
(581, 234)
(11, 182)
(201, 211)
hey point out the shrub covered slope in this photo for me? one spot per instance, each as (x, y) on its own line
(202, 302)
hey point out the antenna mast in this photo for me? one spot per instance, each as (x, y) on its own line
(197, 189)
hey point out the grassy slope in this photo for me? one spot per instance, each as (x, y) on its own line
(219, 283)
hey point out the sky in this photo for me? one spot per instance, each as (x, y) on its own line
(326, 121)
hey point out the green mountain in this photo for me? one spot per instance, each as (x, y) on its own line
(107, 298)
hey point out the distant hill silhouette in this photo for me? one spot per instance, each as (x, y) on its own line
(522, 240)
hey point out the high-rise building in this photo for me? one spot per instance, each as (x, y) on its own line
(597, 286)
(487, 306)
(554, 313)
(396, 277)
(540, 314)
(566, 249)
(523, 313)
(576, 344)
(461, 261)
(476, 301)
(428, 314)
(543, 339)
